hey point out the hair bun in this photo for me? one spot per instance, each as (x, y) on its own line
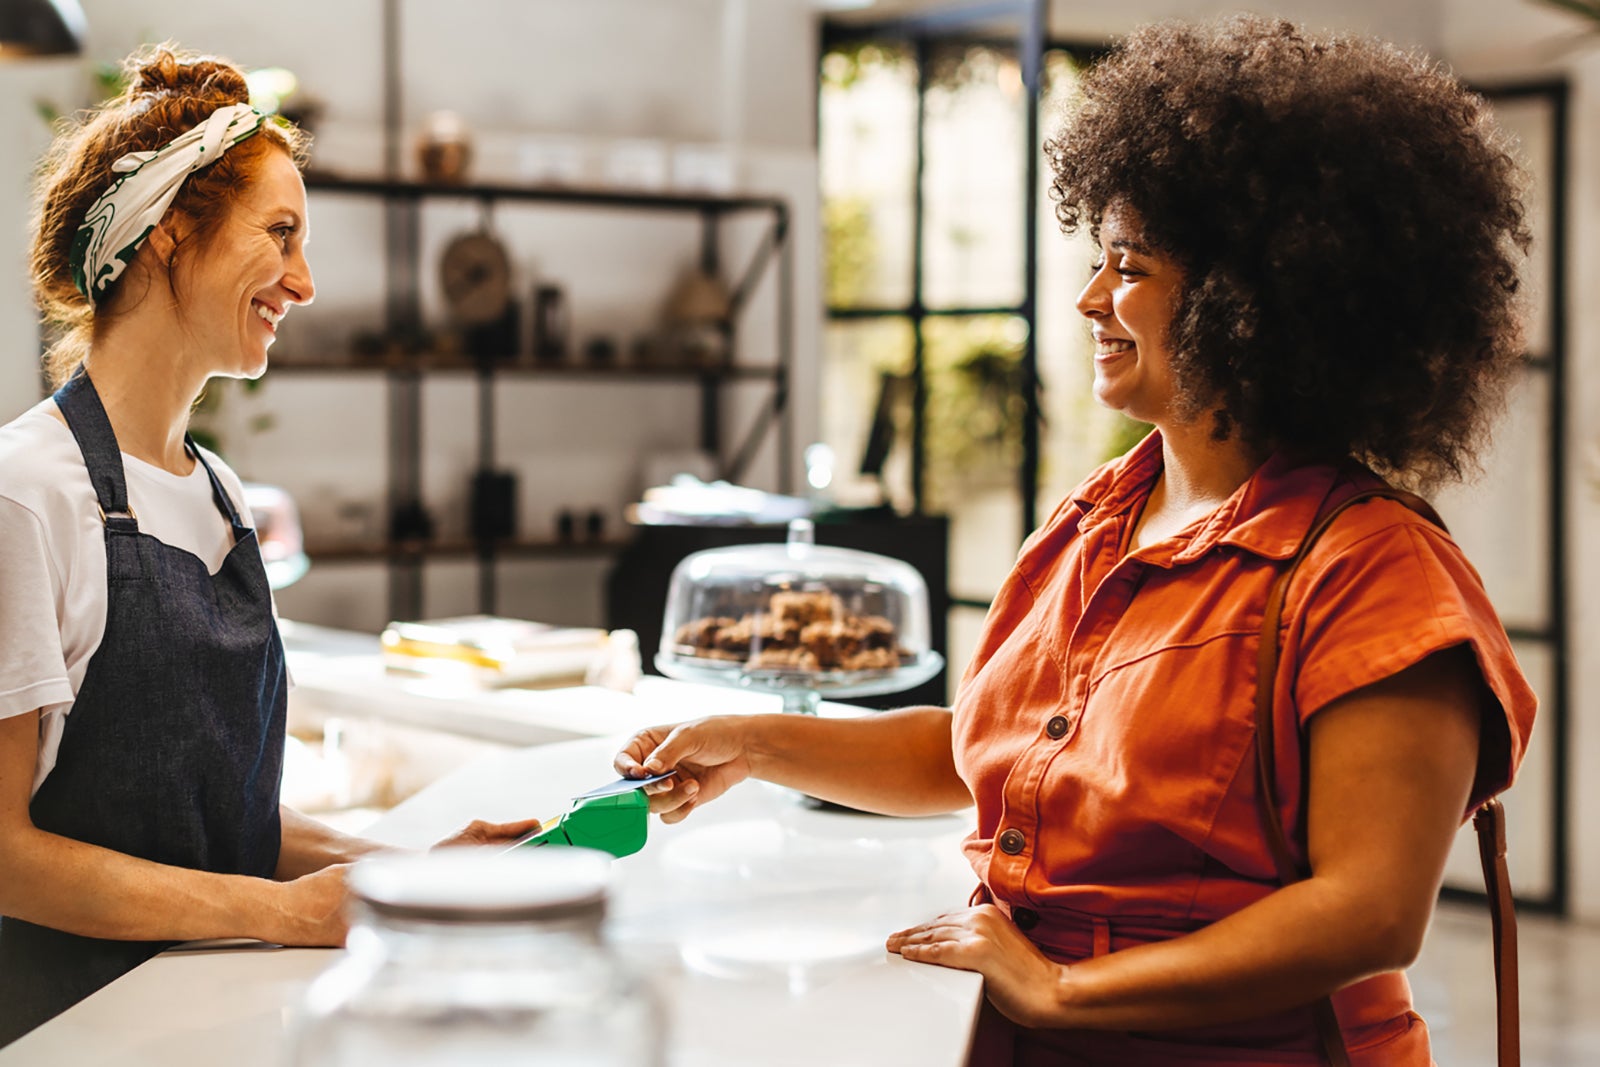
(170, 70)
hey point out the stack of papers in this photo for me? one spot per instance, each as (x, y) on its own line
(495, 651)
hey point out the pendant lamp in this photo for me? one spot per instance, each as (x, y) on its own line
(40, 28)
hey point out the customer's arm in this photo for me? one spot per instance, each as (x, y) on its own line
(896, 763)
(1391, 766)
(58, 882)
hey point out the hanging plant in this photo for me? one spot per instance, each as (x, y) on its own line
(1589, 9)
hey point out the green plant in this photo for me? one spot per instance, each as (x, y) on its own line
(842, 66)
(1123, 434)
(990, 387)
(207, 424)
(106, 81)
(977, 404)
(850, 247)
(1589, 9)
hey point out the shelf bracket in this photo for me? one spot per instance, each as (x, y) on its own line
(771, 241)
(770, 412)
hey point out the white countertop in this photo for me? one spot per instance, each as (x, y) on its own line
(760, 922)
(341, 673)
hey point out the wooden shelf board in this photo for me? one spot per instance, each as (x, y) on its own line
(569, 371)
(411, 189)
(460, 549)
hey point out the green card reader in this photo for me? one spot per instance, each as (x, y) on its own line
(616, 823)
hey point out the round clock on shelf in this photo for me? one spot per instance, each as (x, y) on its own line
(475, 273)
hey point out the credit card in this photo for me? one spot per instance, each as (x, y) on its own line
(623, 785)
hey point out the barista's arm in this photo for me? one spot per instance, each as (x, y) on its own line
(310, 845)
(84, 889)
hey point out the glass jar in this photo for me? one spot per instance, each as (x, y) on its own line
(481, 957)
(797, 619)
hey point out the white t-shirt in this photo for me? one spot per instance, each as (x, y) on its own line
(53, 559)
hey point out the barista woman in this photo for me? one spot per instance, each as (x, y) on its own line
(1308, 252)
(142, 685)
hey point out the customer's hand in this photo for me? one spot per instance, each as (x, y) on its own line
(479, 832)
(711, 756)
(1019, 979)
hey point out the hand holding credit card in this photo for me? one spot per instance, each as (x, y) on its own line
(623, 785)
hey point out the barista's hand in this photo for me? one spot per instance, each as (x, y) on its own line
(479, 832)
(311, 909)
(711, 756)
(1020, 980)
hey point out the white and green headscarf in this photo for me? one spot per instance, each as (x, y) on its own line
(117, 224)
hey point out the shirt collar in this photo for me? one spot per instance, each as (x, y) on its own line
(1268, 515)
(1120, 486)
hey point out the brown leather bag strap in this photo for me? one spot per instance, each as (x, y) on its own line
(1489, 820)
(1490, 823)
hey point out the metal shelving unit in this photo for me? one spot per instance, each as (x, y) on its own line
(404, 200)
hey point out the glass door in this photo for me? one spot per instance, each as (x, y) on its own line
(1511, 521)
(956, 365)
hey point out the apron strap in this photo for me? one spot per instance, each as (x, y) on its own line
(218, 495)
(86, 418)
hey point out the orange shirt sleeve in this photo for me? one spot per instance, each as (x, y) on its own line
(1380, 593)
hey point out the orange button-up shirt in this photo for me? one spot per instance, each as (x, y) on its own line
(1105, 724)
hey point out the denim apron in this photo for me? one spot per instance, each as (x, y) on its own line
(173, 749)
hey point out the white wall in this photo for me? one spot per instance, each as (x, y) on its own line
(25, 136)
(734, 72)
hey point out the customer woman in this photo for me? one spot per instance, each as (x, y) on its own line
(142, 685)
(1308, 253)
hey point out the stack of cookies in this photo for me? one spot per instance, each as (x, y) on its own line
(798, 631)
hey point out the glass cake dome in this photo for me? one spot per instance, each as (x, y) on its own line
(797, 619)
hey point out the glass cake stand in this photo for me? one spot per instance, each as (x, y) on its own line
(802, 620)
(802, 690)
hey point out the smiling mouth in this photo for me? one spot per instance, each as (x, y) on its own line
(267, 315)
(1112, 347)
